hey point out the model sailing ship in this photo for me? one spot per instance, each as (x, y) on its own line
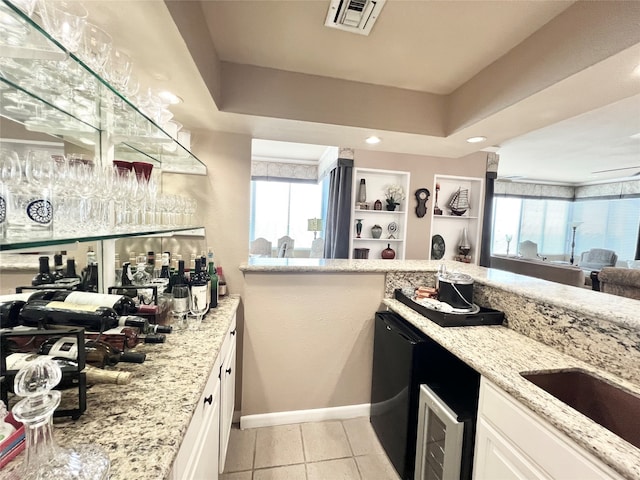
(459, 202)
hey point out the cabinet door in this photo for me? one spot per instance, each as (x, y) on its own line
(227, 400)
(198, 454)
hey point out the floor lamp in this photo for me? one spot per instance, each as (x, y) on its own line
(574, 226)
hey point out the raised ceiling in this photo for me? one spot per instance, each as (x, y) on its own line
(430, 74)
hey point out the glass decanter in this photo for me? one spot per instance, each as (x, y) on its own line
(45, 460)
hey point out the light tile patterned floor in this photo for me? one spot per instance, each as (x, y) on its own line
(333, 450)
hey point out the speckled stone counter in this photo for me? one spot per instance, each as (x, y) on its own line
(141, 425)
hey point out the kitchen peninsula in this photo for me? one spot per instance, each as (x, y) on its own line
(309, 330)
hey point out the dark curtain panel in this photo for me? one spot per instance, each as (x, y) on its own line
(339, 210)
(487, 223)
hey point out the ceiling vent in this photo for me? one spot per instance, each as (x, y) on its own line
(357, 16)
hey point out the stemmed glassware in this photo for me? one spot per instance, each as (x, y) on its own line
(181, 305)
(198, 306)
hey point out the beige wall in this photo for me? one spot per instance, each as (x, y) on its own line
(308, 340)
(422, 169)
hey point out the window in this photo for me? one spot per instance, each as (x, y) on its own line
(545, 222)
(606, 223)
(281, 208)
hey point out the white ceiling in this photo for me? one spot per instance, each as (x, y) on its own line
(559, 131)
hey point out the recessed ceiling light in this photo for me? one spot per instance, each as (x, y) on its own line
(172, 98)
(372, 140)
(476, 139)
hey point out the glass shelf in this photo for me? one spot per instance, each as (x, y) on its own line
(20, 244)
(50, 90)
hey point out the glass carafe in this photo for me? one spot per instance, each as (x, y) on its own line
(45, 460)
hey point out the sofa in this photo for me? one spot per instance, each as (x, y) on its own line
(596, 259)
(554, 272)
(624, 282)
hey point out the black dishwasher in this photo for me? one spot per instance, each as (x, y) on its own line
(403, 359)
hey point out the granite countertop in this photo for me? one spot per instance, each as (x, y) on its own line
(141, 425)
(584, 301)
(500, 354)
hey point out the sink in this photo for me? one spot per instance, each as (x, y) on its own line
(612, 407)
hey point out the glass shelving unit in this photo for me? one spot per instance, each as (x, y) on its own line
(50, 90)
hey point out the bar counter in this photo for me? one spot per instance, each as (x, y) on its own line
(141, 425)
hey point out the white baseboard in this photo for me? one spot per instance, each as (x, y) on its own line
(302, 416)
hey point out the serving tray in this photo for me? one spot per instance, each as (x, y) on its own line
(486, 316)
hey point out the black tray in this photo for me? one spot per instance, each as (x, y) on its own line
(486, 316)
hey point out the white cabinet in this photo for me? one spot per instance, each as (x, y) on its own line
(227, 390)
(198, 454)
(204, 446)
(514, 443)
(393, 223)
(447, 228)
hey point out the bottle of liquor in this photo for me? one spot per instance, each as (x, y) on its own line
(214, 280)
(10, 313)
(178, 278)
(16, 361)
(199, 287)
(122, 304)
(143, 325)
(39, 313)
(44, 276)
(58, 269)
(222, 283)
(205, 275)
(90, 273)
(164, 268)
(124, 338)
(97, 353)
(151, 264)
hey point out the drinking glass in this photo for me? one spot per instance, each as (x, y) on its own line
(181, 307)
(198, 306)
(65, 21)
(95, 47)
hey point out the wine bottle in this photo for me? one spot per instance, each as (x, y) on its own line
(44, 276)
(123, 338)
(143, 324)
(70, 278)
(151, 264)
(178, 278)
(90, 273)
(16, 361)
(126, 278)
(164, 268)
(39, 313)
(122, 304)
(97, 352)
(214, 281)
(58, 269)
(10, 313)
(222, 283)
(199, 287)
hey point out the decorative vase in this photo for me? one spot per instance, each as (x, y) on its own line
(377, 205)
(362, 191)
(388, 253)
(376, 231)
(391, 206)
(358, 227)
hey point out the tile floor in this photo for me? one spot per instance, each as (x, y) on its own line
(332, 450)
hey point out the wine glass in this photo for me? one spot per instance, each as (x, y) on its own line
(181, 307)
(198, 306)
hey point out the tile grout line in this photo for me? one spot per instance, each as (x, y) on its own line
(353, 455)
(304, 454)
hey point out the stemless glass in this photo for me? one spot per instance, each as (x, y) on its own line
(181, 305)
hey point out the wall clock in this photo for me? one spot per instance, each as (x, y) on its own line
(422, 196)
